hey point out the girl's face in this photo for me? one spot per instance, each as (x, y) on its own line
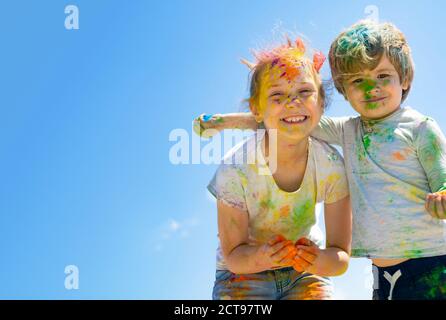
(289, 101)
(375, 93)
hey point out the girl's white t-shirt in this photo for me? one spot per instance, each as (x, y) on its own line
(251, 188)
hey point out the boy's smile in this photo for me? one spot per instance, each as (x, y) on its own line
(375, 93)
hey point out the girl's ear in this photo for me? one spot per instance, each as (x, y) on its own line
(254, 110)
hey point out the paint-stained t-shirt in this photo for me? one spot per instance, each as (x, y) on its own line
(250, 187)
(391, 165)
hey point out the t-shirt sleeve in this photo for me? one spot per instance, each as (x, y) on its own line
(330, 129)
(335, 184)
(226, 186)
(431, 148)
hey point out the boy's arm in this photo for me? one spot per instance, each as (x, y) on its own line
(431, 149)
(330, 129)
(220, 122)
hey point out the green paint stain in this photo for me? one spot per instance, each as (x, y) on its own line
(371, 105)
(367, 85)
(333, 157)
(434, 282)
(267, 204)
(366, 140)
(219, 120)
(303, 215)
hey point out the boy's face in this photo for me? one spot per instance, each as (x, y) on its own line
(376, 93)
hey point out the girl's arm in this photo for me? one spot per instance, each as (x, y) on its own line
(220, 122)
(329, 129)
(332, 261)
(242, 257)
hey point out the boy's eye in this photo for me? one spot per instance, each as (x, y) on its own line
(383, 76)
(357, 81)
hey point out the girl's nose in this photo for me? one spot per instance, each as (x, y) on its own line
(293, 101)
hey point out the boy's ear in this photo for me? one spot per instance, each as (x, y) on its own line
(405, 84)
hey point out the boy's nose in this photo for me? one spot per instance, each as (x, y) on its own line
(375, 90)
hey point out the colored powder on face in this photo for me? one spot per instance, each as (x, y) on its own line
(366, 86)
(371, 105)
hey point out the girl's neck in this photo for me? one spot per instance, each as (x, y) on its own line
(289, 151)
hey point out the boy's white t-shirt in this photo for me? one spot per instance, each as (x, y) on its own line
(271, 210)
(391, 165)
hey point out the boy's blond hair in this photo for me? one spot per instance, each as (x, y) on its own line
(362, 46)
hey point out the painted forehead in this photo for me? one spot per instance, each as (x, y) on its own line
(383, 66)
(283, 71)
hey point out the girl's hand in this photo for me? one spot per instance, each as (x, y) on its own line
(278, 252)
(206, 121)
(436, 204)
(306, 256)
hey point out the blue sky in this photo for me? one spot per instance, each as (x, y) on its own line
(84, 137)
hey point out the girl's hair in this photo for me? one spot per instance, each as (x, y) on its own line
(292, 54)
(362, 46)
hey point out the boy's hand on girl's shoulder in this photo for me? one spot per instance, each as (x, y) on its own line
(436, 204)
(306, 255)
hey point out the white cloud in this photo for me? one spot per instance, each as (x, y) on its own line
(171, 230)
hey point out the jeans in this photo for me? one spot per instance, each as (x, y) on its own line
(278, 284)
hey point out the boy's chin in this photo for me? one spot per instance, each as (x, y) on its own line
(377, 113)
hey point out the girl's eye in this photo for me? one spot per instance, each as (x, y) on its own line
(306, 92)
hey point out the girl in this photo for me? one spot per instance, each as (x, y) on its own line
(268, 246)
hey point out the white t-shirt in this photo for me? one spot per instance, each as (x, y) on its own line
(392, 163)
(271, 210)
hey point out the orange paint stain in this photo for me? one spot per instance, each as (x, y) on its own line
(241, 278)
(285, 211)
(398, 156)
